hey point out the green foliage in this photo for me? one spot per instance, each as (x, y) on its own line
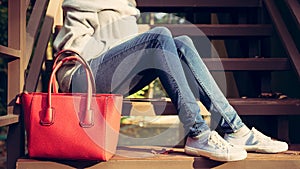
(140, 94)
(158, 90)
(154, 90)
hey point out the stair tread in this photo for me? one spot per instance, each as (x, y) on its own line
(196, 3)
(234, 64)
(165, 157)
(249, 106)
(216, 30)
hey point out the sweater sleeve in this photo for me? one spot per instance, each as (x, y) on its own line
(77, 34)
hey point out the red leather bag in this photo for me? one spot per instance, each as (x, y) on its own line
(76, 126)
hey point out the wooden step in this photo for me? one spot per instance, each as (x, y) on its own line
(249, 106)
(216, 31)
(197, 3)
(247, 64)
(266, 106)
(165, 157)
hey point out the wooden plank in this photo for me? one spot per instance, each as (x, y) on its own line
(215, 30)
(156, 107)
(283, 128)
(243, 106)
(197, 3)
(16, 40)
(59, 18)
(149, 157)
(8, 119)
(284, 35)
(15, 142)
(33, 26)
(27, 2)
(294, 7)
(266, 106)
(9, 53)
(38, 57)
(247, 64)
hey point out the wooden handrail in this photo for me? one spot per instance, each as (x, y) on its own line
(33, 24)
(294, 7)
(38, 57)
(284, 35)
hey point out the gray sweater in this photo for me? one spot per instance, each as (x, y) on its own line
(91, 27)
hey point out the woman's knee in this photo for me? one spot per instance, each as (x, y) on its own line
(184, 39)
(185, 45)
(161, 31)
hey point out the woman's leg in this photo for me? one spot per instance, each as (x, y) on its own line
(135, 63)
(204, 86)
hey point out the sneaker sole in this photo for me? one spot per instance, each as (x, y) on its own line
(197, 152)
(269, 150)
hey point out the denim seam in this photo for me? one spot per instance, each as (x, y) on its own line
(211, 96)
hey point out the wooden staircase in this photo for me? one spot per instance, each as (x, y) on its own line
(246, 28)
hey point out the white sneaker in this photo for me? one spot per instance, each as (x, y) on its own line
(256, 141)
(210, 144)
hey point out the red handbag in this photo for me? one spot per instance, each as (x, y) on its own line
(75, 126)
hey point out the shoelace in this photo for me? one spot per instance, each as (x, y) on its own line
(217, 140)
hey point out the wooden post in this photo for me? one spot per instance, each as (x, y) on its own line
(283, 128)
(16, 40)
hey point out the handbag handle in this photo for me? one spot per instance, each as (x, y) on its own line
(57, 56)
(88, 119)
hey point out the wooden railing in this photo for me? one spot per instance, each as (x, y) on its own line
(283, 31)
(14, 53)
(21, 40)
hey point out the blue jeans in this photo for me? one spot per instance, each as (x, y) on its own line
(132, 65)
